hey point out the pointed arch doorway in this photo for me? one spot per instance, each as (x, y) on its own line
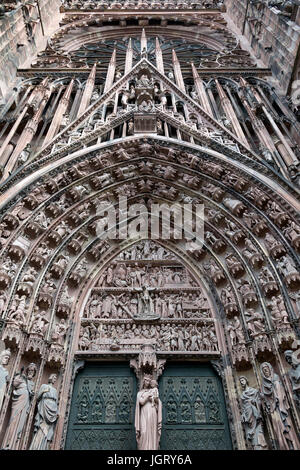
(180, 322)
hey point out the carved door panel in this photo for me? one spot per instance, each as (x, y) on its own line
(194, 414)
(102, 408)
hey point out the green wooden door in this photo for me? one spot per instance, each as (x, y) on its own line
(102, 408)
(194, 414)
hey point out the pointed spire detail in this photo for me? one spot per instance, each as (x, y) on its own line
(60, 111)
(200, 89)
(110, 72)
(143, 41)
(229, 111)
(129, 56)
(159, 57)
(88, 91)
(177, 71)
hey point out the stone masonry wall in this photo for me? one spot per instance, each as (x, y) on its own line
(17, 47)
(274, 38)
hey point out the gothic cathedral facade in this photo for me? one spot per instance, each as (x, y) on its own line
(149, 227)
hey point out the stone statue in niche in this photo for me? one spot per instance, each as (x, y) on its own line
(144, 81)
(250, 251)
(120, 276)
(84, 340)
(39, 322)
(265, 276)
(42, 220)
(294, 374)
(46, 416)
(17, 312)
(214, 271)
(286, 266)
(43, 250)
(227, 296)
(235, 332)
(277, 407)
(22, 395)
(93, 308)
(4, 360)
(194, 94)
(292, 232)
(148, 415)
(29, 277)
(255, 322)
(252, 416)
(273, 246)
(276, 213)
(4, 233)
(8, 267)
(49, 286)
(279, 313)
(253, 221)
(59, 332)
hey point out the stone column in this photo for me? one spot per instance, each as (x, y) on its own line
(129, 56)
(143, 41)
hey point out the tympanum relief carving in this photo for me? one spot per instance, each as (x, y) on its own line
(147, 296)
